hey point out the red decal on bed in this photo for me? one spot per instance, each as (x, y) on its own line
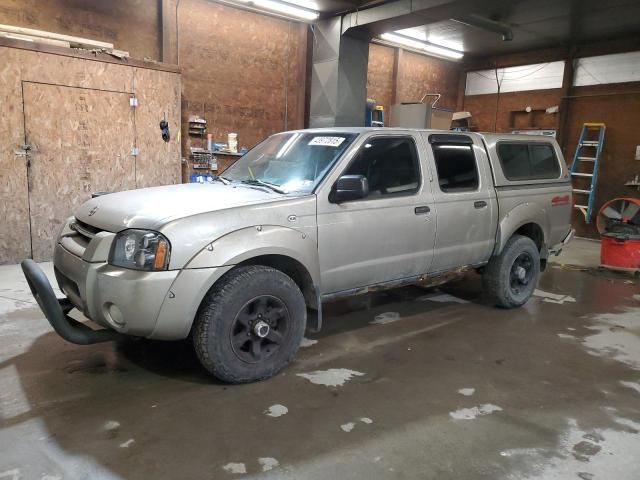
(560, 200)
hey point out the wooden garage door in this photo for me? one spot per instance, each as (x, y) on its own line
(81, 141)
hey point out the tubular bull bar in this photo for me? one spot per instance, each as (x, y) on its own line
(56, 310)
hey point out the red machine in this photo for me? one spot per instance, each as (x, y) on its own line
(619, 224)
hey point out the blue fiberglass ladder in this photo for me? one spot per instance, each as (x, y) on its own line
(588, 151)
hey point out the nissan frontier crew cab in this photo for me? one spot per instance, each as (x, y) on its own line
(306, 217)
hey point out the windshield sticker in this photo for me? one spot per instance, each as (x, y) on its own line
(327, 141)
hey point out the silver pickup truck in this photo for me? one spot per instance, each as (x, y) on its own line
(306, 217)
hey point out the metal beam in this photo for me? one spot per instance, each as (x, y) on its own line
(479, 21)
(397, 66)
(407, 14)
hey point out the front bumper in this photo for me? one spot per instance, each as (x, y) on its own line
(160, 305)
(127, 301)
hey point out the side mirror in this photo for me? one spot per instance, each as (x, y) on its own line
(350, 187)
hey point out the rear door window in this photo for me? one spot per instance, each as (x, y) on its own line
(456, 167)
(528, 161)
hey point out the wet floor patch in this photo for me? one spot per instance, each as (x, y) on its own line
(276, 410)
(127, 443)
(602, 453)
(385, 318)
(307, 342)
(268, 463)
(347, 427)
(334, 377)
(557, 298)
(441, 298)
(475, 412)
(617, 336)
(566, 336)
(235, 467)
(632, 385)
(13, 474)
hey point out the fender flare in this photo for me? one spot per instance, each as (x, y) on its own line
(523, 214)
(250, 242)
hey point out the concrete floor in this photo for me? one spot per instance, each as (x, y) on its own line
(423, 385)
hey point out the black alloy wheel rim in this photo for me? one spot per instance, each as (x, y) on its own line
(521, 273)
(260, 329)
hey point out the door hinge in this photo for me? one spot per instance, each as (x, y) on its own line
(135, 151)
(23, 150)
(133, 101)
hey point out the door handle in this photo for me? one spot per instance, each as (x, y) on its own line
(479, 204)
(422, 209)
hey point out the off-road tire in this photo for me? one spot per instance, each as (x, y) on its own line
(497, 276)
(212, 331)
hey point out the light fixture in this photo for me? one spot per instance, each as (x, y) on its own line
(308, 4)
(421, 45)
(289, 9)
(433, 39)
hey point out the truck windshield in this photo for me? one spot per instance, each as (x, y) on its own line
(292, 162)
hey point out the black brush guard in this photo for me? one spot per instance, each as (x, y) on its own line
(56, 310)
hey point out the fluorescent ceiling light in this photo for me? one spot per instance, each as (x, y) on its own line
(420, 45)
(310, 4)
(285, 8)
(442, 42)
(419, 34)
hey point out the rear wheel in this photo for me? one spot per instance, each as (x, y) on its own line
(250, 324)
(511, 277)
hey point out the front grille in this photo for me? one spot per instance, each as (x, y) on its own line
(84, 229)
(69, 288)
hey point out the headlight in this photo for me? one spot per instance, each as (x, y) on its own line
(140, 250)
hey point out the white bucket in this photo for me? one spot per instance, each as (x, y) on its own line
(232, 142)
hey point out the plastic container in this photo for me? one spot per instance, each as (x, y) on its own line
(201, 178)
(620, 252)
(619, 225)
(232, 141)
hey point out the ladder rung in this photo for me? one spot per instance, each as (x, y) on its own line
(582, 174)
(578, 190)
(589, 143)
(580, 206)
(587, 159)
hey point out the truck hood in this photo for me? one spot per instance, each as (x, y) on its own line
(153, 207)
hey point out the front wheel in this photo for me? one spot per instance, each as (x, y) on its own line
(250, 324)
(510, 278)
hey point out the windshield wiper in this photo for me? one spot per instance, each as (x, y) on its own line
(262, 183)
(222, 179)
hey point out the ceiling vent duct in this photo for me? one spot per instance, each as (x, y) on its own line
(478, 21)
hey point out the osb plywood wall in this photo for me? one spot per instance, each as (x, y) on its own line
(416, 75)
(242, 71)
(80, 143)
(419, 74)
(380, 76)
(158, 163)
(131, 25)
